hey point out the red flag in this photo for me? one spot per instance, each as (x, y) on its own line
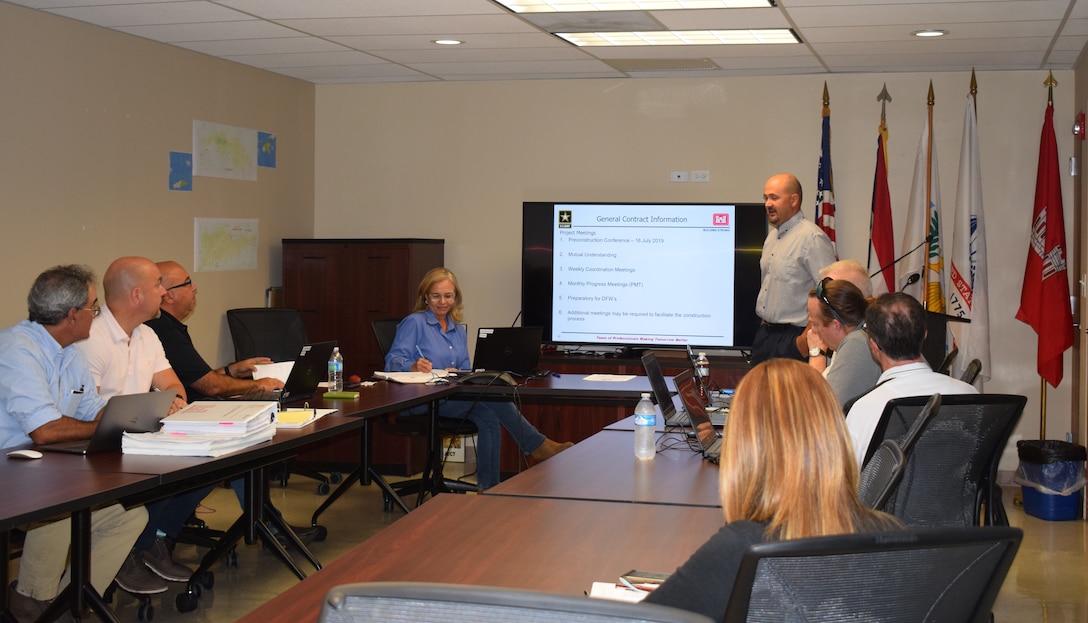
(881, 242)
(1044, 300)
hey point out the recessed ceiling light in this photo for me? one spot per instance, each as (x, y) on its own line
(929, 33)
(582, 6)
(447, 42)
(682, 37)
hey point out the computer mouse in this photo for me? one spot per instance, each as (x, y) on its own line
(24, 454)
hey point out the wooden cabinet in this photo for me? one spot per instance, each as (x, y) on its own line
(340, 286)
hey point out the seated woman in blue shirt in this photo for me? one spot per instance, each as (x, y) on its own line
(432, 337)
(787, 472)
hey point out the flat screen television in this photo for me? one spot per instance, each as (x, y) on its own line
(642, 275)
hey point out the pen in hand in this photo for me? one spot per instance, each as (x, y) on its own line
(420, 351)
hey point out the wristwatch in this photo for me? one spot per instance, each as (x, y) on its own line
(815, 352)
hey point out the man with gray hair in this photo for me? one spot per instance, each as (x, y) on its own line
(47, 394)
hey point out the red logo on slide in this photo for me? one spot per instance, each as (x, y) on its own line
(721, 219)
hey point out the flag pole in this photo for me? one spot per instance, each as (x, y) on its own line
(883, 97)
(929, 194)
(1049, 83)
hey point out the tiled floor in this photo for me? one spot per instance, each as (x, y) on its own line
(1048, 581)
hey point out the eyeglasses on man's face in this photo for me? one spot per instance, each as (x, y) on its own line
(187, 282)
(822, 295)
(438, 296)
(95, 310)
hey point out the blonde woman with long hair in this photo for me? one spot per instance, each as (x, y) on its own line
(787, 472)
(432, 337)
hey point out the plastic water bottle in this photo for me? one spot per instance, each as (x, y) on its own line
(645, 425)
(336, 371)
(702, 367)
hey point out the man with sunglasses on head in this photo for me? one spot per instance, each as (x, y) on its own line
(793, 254)
(896, 323)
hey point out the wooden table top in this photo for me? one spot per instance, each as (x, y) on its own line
(41, 488)
(604, 468)
(544, 544)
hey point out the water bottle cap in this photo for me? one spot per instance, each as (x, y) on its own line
(702, 354)
(645, 394)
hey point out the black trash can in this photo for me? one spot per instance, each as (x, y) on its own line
(1052, 477)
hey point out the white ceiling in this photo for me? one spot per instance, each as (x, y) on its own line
(372, 41)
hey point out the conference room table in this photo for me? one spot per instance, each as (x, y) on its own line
(38, 489)
(553, 545)
(604, 468)
(61, 484)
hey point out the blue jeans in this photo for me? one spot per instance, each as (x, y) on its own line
(488, 417)
(169, 515)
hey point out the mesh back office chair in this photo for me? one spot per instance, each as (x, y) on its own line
(920, 575)
(279, 334)
(951, 472)
(432, 480)
(458, 603)
(881, 475)
(273, 332)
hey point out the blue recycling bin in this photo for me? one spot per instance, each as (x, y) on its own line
(1051, 475)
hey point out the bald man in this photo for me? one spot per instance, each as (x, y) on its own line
(198, 378)
(793, 254)
(126, 357)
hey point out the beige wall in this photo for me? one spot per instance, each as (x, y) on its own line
(456, 160)
(88, 117)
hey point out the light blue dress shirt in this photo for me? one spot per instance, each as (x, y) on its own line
(419, 333)
(40, 381)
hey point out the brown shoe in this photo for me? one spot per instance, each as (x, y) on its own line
(549, 448)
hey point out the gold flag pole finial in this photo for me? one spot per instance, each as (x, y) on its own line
(929, 98)
(974, 83)
(1050, 83)
(884, 97)
(827, 98)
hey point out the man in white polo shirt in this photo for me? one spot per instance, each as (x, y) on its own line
(896, 324)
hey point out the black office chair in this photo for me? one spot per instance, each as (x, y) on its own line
(274, 332)
(920, 575)
(432, 481)
(881, 475)
(971, 372)
(951, 473)
(279, 334)
(461, 603)
(905, 440)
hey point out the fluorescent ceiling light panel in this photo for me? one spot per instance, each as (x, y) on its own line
(566, 6)
(682, 37)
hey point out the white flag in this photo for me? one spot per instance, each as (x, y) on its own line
(967, 292)
(922, 236)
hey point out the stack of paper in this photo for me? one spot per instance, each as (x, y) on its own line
(412, 377)
(221, 417)
(208, 428)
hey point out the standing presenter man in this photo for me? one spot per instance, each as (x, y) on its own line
(793, 254)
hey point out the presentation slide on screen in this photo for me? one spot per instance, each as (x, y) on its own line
(643, 273)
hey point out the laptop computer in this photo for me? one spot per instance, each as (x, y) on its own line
(508, 349)
(135, 413)
(660, 392)
(709, 437)
(311, 367)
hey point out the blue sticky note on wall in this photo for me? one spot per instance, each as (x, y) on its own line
(266, 150)
(181, 171)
